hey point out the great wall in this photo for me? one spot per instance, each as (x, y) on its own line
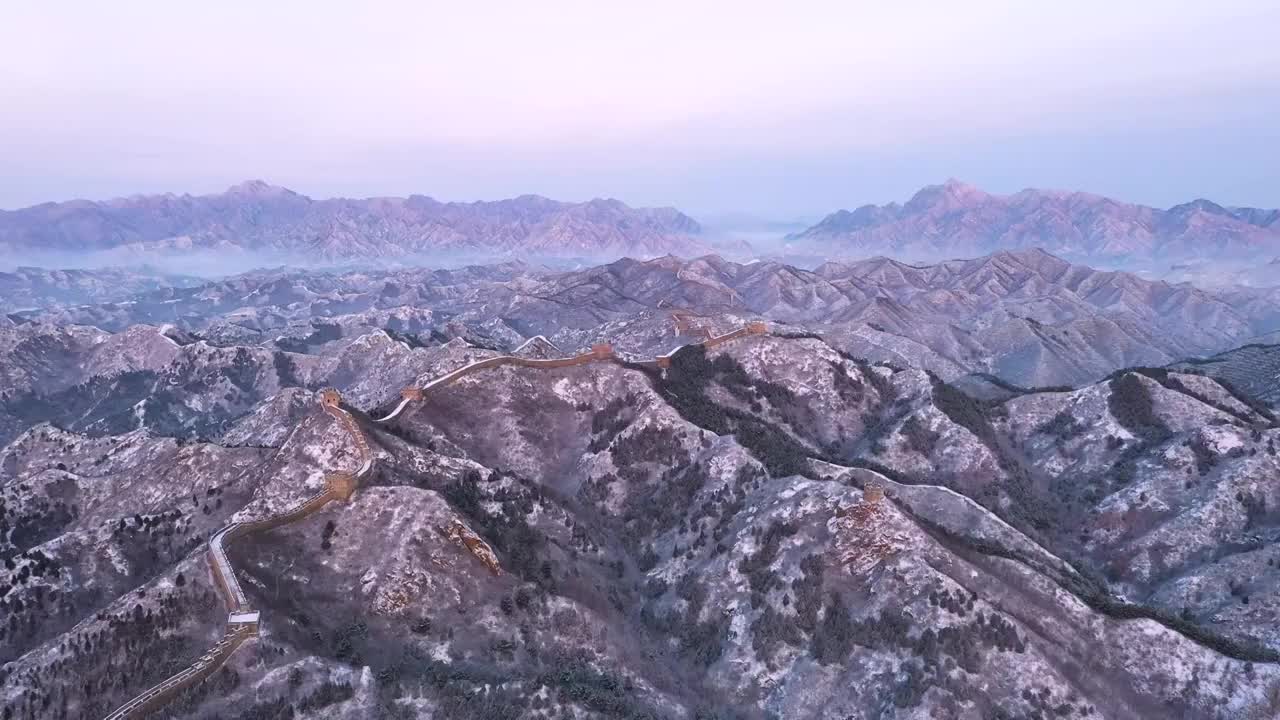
(243, 621)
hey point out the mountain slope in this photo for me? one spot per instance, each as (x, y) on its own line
(1254, 369)
(700, 542)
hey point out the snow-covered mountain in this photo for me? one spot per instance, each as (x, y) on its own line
(1028, 317)
(700, 541)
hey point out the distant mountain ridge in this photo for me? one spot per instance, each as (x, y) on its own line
(258, 217)
(255, 223)
(956, 219)
(1027, 317)
(30, 287)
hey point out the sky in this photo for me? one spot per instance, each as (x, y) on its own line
(782, 110)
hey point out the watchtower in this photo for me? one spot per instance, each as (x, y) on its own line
(873, 493)
(244, 622)
(340, 485)
(602, 351)
(330, 397)
(411, 393)
(757, 327)
(664, 361)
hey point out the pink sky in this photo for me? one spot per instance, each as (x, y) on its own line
(775, 108)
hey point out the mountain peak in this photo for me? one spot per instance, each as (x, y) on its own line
(258, 188)
(960, 189)
(1032, 254)
(1201, 205)
(950, 193)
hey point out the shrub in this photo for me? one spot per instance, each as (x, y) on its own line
(1064, 426)
(1131, 403)
(757, 565)
(918, 436)
(684, 387)
(835, 638)
(964, 411)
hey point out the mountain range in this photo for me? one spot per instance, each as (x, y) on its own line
(1008, 486)
(958, 220)
(275, 222)
(1027, 317)
(255, 223)
(773, 528)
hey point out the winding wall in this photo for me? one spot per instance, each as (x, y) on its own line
(242, 619)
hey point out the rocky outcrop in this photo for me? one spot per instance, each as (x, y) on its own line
(458, 532)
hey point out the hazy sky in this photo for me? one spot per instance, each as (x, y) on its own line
(779, 109)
